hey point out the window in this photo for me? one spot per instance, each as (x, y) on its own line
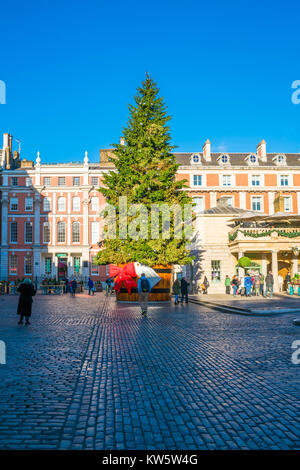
(95, 204)
(48, 265)
(14, 232)
(94, 269)
(76, 204)
(61, 181)
(61, 204)
(223, 159)
(46, 232)
(14, 204)
(226, 180)
(28, 204)
(47, 181)
(279, 160)
(47, 204)
(256, 203)
(14, 181)
(287, 204)
(94, 232)
(215, 270)
(76, 181)
(76, 264)
(227, 201)
(199, 201)
(28, 265)
(252, 158)
(75, 232)
(61, 232)
(28, 232)
(94, 181)
(28, 181)
(196, 158)
(197, 180)
(255, 180)
(13, 264)
(284, 180)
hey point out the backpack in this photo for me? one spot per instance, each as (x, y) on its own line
(144, 285)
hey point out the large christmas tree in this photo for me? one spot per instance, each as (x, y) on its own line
(145, 170)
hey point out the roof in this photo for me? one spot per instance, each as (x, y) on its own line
(221, 209)
(237, 160)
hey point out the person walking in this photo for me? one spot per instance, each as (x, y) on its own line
(261, 284)
(280, 282)
(176, 290)
(269, 284)
(235, 284)
(248, 285)
(256, 285)
(206, 285)
(91, 286)
(27, 291)
(144, 289)
(108, 286)
(73, 287)
(184, 290)
(227, 284)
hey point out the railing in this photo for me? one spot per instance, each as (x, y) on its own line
(241, 233)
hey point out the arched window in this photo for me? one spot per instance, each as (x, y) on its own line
(46, 232)
(76, 232)
(61, 232)
(76, 204)
(61, 204)
(224, 159)
(196, 158)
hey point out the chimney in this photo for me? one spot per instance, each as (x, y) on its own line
(6, 141)
(262, 151)
(206, 151)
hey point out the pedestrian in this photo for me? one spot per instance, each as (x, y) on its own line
(280, 282)
(227, 284)
(91, 286)
(269, 284)
(108, 284)
(144, 289)
(27, 291)
(261, 284)
(248, 285)
(176, 290)
(67, 285)
(184, 290)
(73, 287)
(256, 284)
(235, 284)
(206, 285)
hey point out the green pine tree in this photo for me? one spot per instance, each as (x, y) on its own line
(145, 173)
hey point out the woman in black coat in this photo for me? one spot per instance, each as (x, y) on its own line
(27, 291)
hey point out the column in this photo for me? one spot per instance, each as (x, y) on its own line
(275, 269)
(271, 196)
(241, 270)
(37, 220)
(264, 264)
(294, 266)
(37, 265)
(86, 218)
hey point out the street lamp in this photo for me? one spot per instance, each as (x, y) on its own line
(295, 250)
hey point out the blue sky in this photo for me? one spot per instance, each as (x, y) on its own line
(225, 70)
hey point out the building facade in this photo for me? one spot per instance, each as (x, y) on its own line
(50, 213)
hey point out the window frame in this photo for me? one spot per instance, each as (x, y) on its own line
(59, 199)
(16, 232)
(75, 224)
(61, 223)
(27, 232)
(31, 207)
(261, 203)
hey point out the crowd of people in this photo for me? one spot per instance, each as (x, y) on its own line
(255, 284)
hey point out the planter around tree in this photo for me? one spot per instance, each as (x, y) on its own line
(160, 293)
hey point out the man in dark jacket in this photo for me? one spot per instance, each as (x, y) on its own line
(27, 291)
(269, 284)
(184, 290)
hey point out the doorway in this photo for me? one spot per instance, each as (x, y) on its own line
(62, 269)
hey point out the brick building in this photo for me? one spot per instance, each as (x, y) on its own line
(50, 221)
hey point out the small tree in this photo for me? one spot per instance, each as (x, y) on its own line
(145, 173)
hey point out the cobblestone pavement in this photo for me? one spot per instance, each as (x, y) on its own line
(91, 374)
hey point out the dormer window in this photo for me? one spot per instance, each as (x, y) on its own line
(279, 160)
(224, 159)
(252, 159)
(196, 158)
